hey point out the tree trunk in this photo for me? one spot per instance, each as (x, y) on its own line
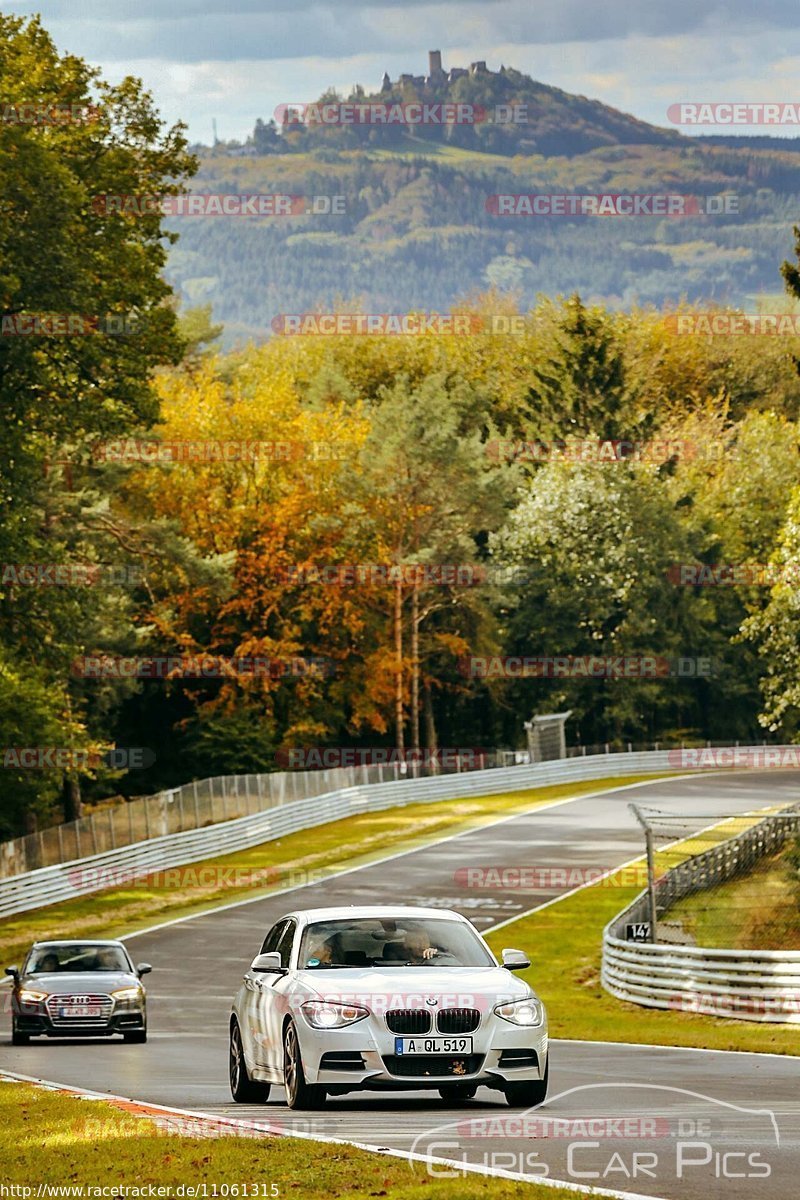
(415, 673)
(431, 740)
(73, 804)
(398, 669)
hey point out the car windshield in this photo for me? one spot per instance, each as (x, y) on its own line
(391, 942)
(76, 957)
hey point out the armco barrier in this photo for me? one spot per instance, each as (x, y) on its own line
(752, 985)
(49, 885)
(198, 804)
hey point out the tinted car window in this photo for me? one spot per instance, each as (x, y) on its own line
(373, 942)
(78, 957)
(284, 946)
(273, 937)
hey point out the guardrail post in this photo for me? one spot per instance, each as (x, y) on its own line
(651, 872)
(111, 828)
(196, 805)
(60, 843)
(130, 823)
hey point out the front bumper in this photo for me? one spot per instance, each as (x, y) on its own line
(36, 1020)
(361, 1056)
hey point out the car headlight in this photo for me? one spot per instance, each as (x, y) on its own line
(128, 993)
(522, 1012)
(323, 1014)
(27, 996)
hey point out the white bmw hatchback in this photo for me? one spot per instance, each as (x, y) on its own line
(385, 998)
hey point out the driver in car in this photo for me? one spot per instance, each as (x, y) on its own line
(418, 947)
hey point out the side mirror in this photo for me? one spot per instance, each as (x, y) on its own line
(515, 960)
(267, 962)
(14, 973)
(143, 969)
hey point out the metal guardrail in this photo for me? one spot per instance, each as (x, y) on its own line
(49, 885)
(753, 985)
(226, 797)
(198, 804)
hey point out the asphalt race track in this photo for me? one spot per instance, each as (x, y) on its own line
(711, 1124)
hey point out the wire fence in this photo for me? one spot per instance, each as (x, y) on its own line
(206, 802)
(738, 889)
(225, 797)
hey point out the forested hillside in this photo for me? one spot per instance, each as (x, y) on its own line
(417, 231)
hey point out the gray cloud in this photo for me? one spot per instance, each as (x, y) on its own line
(219, 30)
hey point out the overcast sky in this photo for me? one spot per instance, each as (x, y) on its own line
(238, 60)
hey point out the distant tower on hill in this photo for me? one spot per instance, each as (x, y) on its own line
(436, 73)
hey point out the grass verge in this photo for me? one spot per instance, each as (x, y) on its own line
(566, 970)
(50, 1138)
(760, 910)
(302, 857)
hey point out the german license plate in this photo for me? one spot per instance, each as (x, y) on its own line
(433, 1045)
(81, 1010)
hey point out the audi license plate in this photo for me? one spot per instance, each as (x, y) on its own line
(81, 1010)
(433, 1045)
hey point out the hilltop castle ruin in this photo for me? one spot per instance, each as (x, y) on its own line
(436, 75)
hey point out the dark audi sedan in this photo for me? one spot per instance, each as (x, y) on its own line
(84, 989)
